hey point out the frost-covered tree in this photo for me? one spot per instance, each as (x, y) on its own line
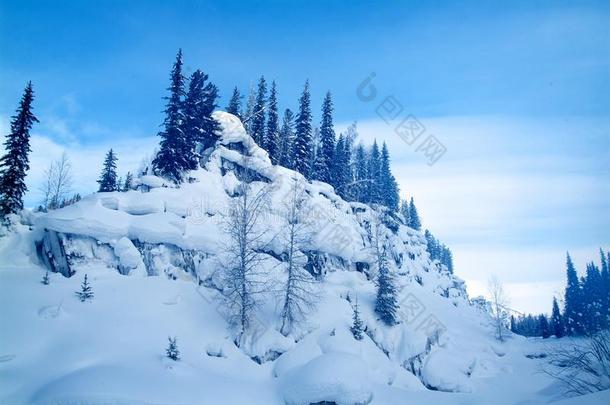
(414, 221)
(198, 126)
(172, 351)
(324, 158)
(45, 279)
(543, 322)
(386, 303)
(605, 290)
(108, 178)
(593, 303)
(357, 325)
(286, 140)
(299, 295)
(388, 187)
(374, 174)
(15, 162)
(302, 147)
(57, 183)
(362, 182)
(249, 114)
(272, 137)
(86, 292)
(234, 106)
(557, 327)
(173, 159)
(243, 274)
(128, 183)
(499, 301)
(573, 303)
(258, 118)
(404, 210)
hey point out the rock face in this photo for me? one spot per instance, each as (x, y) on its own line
(180, 232)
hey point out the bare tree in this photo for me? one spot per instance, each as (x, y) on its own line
(57, 183)
(582, 367)
(243, 273)
(499, 301)
(299, 293)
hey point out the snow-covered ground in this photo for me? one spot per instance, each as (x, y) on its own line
(152, 257)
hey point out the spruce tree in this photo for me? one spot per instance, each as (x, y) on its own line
(362, 183)
(234, 106)
(357, 325)
(302, 150)
(387, 183)
(86, 292)
(108, 178)
(339, 163)
(543, 326)
(593, 299)
(386, 304)
(258, 115)
(15, 162)
(272, 137)
(128, 182)
(327, 143)
(573, 307)
(287, 140)
(374, 174)
(414, 221)
(248, 115)
(605, 290)
(172, 160)
(172, 351)
(557, 327)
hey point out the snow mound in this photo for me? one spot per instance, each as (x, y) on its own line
(334, 377)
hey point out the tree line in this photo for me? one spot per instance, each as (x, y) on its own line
(586, 308)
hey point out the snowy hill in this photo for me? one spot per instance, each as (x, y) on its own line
(154, 257)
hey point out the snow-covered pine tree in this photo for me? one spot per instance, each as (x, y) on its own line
(193, 115)
(15, 162)
(386, 304)
(286, 140)
(172, 351)
(299, 293)
(234, 106)
(387, 183)
(127, 184)
(209, 126)
(272, 137)
(302, 149)
(248, 115)
(171, 160)
(86, 292)
(557, 327)
(573, 307)
(339, 165)
(324, 158)
(348, 171)
(605, 288)
(404, 210)
(592, 295)
(108, 178)
(45, 279)
(362, 182)
(414, 221)
(544, 326)
(357, 325)
(258, 115)
(374, 174)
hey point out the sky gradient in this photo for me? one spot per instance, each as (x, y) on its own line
(519, 95)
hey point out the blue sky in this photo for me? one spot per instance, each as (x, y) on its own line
(519, 94)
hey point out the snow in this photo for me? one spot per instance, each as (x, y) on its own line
(170, 241)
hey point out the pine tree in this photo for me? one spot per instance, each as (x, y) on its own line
(592, 294)
(327, 143)
(387, 183)
(234, 106)
(605, 290)
(108, 178)
(128, 182)
(258, 118)
(357, 325)
(362, 183)
(286, 140)
(339, 164)
(414, 221)
(302, 150)
(386, 304)
(557, 327)
(374, 174)
(543, 326)
(172, 351)
(45, 279)
(272, 138)
(86, 293)
(573, 308)
(171, 160)
(15, 162)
